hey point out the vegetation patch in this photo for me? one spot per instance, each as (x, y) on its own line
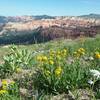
(56, 70)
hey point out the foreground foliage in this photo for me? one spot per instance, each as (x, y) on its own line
(64, 69)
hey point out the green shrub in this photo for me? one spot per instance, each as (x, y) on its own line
(15, 61)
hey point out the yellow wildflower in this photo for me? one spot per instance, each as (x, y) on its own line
(64, 52)
(4, 82)
(51, 62)
(75, 53)
(3, 92)
(97, 55)
(44, 58)
(39, 58)
(58, 52)
(82, 49)
(18, 70)
(82, 53)
(58, 71)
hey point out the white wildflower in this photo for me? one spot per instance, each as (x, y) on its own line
(90, 82)
(91, 58)
(95, 73)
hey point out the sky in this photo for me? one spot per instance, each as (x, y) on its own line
(49, 7)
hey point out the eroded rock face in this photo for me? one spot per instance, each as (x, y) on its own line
(47, 29)
(54, 32)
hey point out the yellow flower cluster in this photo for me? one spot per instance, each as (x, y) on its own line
(42, 58)
(64, 52)
(59, 52)
(5, 85)
(79, 52)
(3, 92)
(4, 82)
(58, 71)
(49, 63)
(97, 55)
(58, 55)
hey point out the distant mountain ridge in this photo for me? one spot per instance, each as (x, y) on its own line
(39, 17)
(95, 16)
(26, 18)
